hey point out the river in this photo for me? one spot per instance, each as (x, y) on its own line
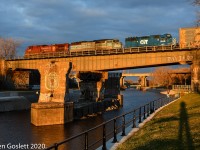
(15, 126)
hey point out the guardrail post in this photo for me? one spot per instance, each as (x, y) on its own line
(144, 114)
(168, 100)
(154, 108)
(151, 108)
(134, 119)
(115, 132)
(165, 101)
(148, 109)
(104, 137)
(140, 115)
(56, 146)
(123, 126)
(157, 104)
(86, 141)
(160, 103)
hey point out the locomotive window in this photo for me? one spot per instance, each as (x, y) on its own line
(168, 35)
(144, 37)
(162, 40)
(157, 36)
(134, 39)
(115, 40)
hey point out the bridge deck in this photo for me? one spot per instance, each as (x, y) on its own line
(103, 52)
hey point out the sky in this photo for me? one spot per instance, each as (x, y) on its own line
(36, 22)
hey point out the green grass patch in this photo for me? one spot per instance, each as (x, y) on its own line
(177, 126)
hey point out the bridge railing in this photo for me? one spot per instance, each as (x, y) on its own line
(182, 88)
(101, 52)
(108, 130)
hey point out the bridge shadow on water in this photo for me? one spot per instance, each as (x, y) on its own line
(184, 138)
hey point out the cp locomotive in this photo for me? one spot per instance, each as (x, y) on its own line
(41, 50)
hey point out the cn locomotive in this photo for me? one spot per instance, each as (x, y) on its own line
(152, 40)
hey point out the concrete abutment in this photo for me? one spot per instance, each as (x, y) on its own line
(50, 113)
(195, 76)
(52, 107)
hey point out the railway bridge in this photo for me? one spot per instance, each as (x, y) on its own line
(52, 105)
(142, 76)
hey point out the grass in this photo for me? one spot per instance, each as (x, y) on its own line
(175, 127)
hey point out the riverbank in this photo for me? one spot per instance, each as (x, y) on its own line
(176, 126)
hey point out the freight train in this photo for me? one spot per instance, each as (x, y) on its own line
(189, 37)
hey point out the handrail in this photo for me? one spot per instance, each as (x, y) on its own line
(100, 52)
(139, 114)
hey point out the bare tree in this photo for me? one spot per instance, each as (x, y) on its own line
(182, 76)
(161, 77)
(8, 48)
(129, 81)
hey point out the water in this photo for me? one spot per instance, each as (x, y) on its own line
(15, 127)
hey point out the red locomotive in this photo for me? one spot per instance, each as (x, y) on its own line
(47, 49)
(37, 51)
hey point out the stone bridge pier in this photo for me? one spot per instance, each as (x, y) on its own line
(143, 81)
(122, 81)
(52, 107)
(92, 85)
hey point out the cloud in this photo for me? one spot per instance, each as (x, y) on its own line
(59, 21)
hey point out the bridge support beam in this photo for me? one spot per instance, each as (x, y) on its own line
(112, 87)
(52, 107)
(122, 81)
(195, 76)
(143, 81)
(92, 85)
(2, 68)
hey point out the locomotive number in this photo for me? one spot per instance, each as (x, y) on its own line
(180, 58)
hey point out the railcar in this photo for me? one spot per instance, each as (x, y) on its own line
(152, 40)
(82, 46)
(103, 44)
(107, 44)
(42, 50)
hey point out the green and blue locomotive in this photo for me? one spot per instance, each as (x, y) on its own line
(152, 40)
